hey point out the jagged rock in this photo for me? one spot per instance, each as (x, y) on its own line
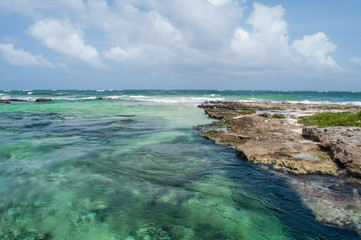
(43, 100)
(278, 142)
(344, 144)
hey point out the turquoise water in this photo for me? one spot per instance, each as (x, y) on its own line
(131, 166)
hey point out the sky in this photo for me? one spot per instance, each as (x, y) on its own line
(181, 44)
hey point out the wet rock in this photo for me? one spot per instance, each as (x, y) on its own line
(5, 101)
(333, 201)
(17, 100)
(275, 141)
(344, 144)
(148, 232)
(43, 100)
(45, 236)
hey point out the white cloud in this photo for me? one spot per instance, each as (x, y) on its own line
(314, 49)
(20, 57)
(63, 38)
(267, 44)
(219, 2)
(356, 61)
(186, 35)
(119, 54)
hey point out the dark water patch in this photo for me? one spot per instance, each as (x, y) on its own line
(106, 129)
(275, 194)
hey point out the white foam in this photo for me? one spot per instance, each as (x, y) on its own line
(29, 93)
(169, 100)
(3, 96)
(351, 103)
(89, 98)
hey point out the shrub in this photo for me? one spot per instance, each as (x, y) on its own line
(333, 119)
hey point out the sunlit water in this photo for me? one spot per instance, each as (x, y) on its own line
(133, 167)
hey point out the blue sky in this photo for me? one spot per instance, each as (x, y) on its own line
(180, 44)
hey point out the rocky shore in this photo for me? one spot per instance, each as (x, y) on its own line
(269, 133)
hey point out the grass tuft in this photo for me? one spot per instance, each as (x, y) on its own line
(247, 112)
(276, 115)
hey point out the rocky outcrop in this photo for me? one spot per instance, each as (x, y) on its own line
(280, 142)
(344, 144)
(43, 100)
(5, 101)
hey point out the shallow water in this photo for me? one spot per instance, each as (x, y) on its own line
(134, 168)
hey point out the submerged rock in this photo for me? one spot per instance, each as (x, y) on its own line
(43, 100)
(149, 232)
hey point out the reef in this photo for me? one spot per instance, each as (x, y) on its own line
(43, 100)
(271, 133)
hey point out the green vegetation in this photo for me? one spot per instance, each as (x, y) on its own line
(212, 132)
(266, 115)
(333, 119)
(276, 115)
(246, 112)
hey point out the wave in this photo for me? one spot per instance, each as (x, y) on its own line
(351, 103)
(170, 99)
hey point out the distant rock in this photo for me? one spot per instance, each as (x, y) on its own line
(43, 100)
(5, 101)
(17, 100)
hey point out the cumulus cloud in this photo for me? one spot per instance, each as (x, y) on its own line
(267, 45)
(314, 49)
(20, 57)
(63, 38)
(194, 35)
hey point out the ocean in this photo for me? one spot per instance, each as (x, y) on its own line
(129, 164)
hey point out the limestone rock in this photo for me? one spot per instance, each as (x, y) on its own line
(344, 144)
(280, 142)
